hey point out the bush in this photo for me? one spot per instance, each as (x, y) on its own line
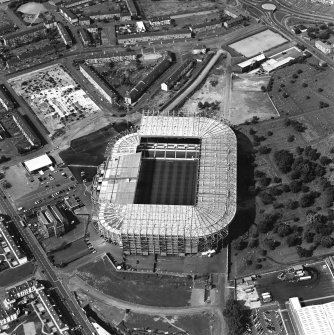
(295, 186)
(252, 131)
(253, 243)
(299, 150)
(249, 262)
(264, 150)
(259, 174)
(309, 236)
(267, 223)
(240, 244)
(295, 175)
(306, 200)
(272, 244)
(305, 189)
(302, 252)
(291, 204)
(270, 133)
(277, 180)
(266, 198)
(291, 138)
(324, 160)
(286, 188)
(258, 266)
(264, 182)
(275, 191)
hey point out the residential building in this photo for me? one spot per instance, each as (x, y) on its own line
(52, 220)
(105, 90)
(206, 26)
(234, 12)
(26, 130)
(125, 16)
(158, 21)
(14, 248)
(64, 34)
(55, 322)
(136, 92)
(131, 8)
(153, 36)
(233, 22)
(84, 21)
(75, 3)
(325, 47)
(25, 36)
(313, 319)
(85, 38)
(106, 15)
(111, 57)
(50, 24)
(8, 315)
(22, 290)
(5, 101)
(177, 74)
(69, 15)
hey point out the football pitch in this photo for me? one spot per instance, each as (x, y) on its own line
(167, 182)
(257, 43)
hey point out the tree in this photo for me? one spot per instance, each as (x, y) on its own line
(306, 200)
(291, 204)
(266, 198)
(326, 242)
(293, 240)
(324, 160)
(264, 150)
(295, 186)
(264, 181)
(284, 160)
(240, 244)
(259, 174)
(309, 236)
(6, 184)
(284, 230)
(271, 244)
(237, 316)
(253, 243)
(302, 252)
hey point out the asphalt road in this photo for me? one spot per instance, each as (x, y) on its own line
(76, 312)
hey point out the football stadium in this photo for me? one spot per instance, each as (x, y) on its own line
(168, 187)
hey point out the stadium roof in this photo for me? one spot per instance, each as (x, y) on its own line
(314, 319)
(216, 189)
(38, 163)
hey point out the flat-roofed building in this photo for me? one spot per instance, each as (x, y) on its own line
(312, 320)
(98, 83)
(5, 101)
(107, 57)
(177, 74)
(131, 8)
(233, 22)
(106, 15)
(252, 63)
(85, 38)
(38, 163)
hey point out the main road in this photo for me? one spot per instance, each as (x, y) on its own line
(72, 306)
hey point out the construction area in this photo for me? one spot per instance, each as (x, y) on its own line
(156, 223)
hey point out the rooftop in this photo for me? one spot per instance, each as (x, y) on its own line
(38, 163)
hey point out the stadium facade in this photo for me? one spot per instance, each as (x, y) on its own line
(168, 187)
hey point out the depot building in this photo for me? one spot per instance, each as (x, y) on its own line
(38, 164)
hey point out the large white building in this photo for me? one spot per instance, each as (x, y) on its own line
(38, 163)
(168, 188)
(312, 320)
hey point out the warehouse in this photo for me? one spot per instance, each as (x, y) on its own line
(39, 163)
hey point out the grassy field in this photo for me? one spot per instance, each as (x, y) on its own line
(15, 275)
(154, 290)
(192, 325)
(255, 44)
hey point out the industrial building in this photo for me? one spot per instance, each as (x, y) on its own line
(177, 74)
(136, 92)
(52, 220)
(38, 164)
(311, 320)
(98, 83)
(169, 187)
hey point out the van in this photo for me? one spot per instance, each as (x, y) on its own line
(20, 208)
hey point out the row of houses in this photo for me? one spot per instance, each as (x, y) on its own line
(325, 47)
(131, 39)
(6, 101)
(64, 34)
(141, 87)
(183, 69)
(112, 57)
(26, 36)
(26, 130)
(98, 83)
(32, 291)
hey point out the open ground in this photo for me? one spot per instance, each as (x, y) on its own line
(260, 42)
(167, 7)
(146, 289)
(17, 274)
(55, 97)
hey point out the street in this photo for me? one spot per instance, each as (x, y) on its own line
(76, 312)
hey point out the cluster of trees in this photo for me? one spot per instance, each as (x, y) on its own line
(4, 159)
(237, 316)
(322, 32)
(213, 105)
(296, 125)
